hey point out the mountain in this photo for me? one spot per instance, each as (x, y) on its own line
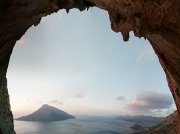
(168, 126)
(145, 121)
(47, 113)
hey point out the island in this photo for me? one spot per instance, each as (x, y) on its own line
(47, 113)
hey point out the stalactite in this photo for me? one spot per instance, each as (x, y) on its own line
(156, 20)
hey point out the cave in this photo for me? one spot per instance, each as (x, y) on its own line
(155, 20)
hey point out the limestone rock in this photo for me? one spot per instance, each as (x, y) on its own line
(156, 20)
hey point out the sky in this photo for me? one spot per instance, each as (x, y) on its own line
(75, 62)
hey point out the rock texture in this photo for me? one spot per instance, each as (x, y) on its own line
(6, 118)
(156, 20)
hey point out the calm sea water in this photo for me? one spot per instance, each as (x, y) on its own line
(80, 125)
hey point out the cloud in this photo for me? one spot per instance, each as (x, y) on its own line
(149, 101)
(22, 41)
(146, 54)
(80, 95)
(56, 102)
(120, 98)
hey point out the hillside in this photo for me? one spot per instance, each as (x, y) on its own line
(168, 126)
(47, 113)
(145, 121)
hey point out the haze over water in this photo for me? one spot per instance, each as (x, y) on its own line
(83, 67)
(81, 125)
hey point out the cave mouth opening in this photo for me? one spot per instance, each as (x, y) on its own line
(86, 58)
(159, 23)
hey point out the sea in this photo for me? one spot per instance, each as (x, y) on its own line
(80, 125)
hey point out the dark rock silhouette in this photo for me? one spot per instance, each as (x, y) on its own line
(156, 20)
(47, 113)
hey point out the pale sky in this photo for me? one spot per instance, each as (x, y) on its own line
(77, 63)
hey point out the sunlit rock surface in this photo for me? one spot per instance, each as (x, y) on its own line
(156, 20)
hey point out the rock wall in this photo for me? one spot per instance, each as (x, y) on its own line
(6, 117)
(156, 20)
